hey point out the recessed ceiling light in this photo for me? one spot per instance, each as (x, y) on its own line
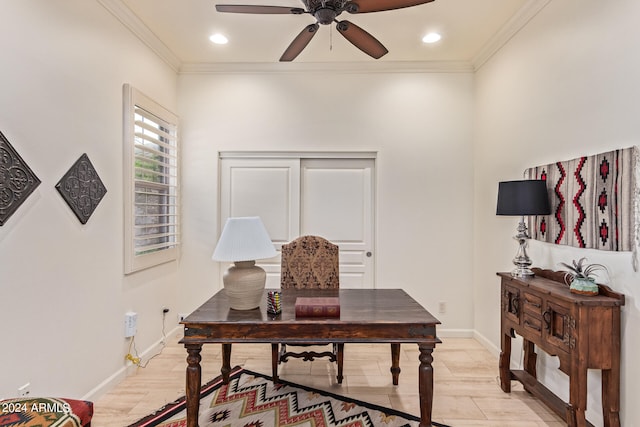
(219, 39)
(431, 38)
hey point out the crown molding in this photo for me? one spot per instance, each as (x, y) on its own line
(510, 29)
(131, 21)
(328, 67)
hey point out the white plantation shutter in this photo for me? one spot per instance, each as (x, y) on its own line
(152, 199)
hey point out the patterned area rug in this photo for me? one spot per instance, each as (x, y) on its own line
(252, 400)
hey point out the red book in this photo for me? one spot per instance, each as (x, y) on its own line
(317, 307)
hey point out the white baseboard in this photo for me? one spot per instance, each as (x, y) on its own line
(455, 333)
(128, 369)
(516, 355)
(494, 350)
(106, 385)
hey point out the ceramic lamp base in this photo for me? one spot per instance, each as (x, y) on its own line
(244, 285)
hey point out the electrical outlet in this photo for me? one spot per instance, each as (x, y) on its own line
(130, 324)
(442, 307)
(25, 390)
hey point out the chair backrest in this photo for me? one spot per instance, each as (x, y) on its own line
(309, 262)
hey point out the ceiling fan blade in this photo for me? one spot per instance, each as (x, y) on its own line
(267, 10)
(361, 39)
(300, 42)
(366, 6)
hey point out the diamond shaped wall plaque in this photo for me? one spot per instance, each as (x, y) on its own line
(82, 188)
(17, 181)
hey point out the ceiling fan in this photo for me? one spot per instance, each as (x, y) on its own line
(325, 12)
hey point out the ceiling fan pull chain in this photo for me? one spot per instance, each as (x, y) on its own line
(330, 39)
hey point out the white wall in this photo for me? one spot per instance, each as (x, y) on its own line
(419, 123)
(62, 291)
(565, 86)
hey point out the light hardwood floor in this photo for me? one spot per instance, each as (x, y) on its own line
(466, 387)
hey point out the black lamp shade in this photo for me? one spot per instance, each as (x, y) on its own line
(523, 198)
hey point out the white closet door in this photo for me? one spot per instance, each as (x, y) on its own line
(270, 189)
(294, 196)
(337, 203)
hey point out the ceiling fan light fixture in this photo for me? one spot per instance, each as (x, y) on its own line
(218, 39)
(325, 15)
(431, 38)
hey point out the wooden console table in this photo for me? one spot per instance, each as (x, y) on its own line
(583, 331)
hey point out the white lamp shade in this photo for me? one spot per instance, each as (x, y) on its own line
(244, 239)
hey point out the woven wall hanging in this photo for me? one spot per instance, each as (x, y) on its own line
(595, 202)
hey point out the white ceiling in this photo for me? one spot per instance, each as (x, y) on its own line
(179, 31)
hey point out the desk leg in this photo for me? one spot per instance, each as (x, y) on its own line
(340, 360)
(425, 383)
(275, 359)
(194, 378)
(226, 362)
(395, 362)
(504, 363)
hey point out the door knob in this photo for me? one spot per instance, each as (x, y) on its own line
(368, 254)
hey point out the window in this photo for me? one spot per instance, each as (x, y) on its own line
(151, 187)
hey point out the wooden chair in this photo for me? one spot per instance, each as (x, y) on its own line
(308, 262)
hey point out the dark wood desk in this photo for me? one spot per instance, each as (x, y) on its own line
(366, 315)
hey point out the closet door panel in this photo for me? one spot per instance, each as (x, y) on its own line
(270, 189)
(337, 202)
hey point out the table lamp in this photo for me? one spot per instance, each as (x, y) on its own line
(522, 198)
(244, 240)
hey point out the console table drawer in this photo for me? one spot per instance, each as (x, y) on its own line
(511, 303)
(532, 303)
(532, 324)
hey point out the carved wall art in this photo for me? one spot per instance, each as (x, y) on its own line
(17, 181)
(82, 188)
